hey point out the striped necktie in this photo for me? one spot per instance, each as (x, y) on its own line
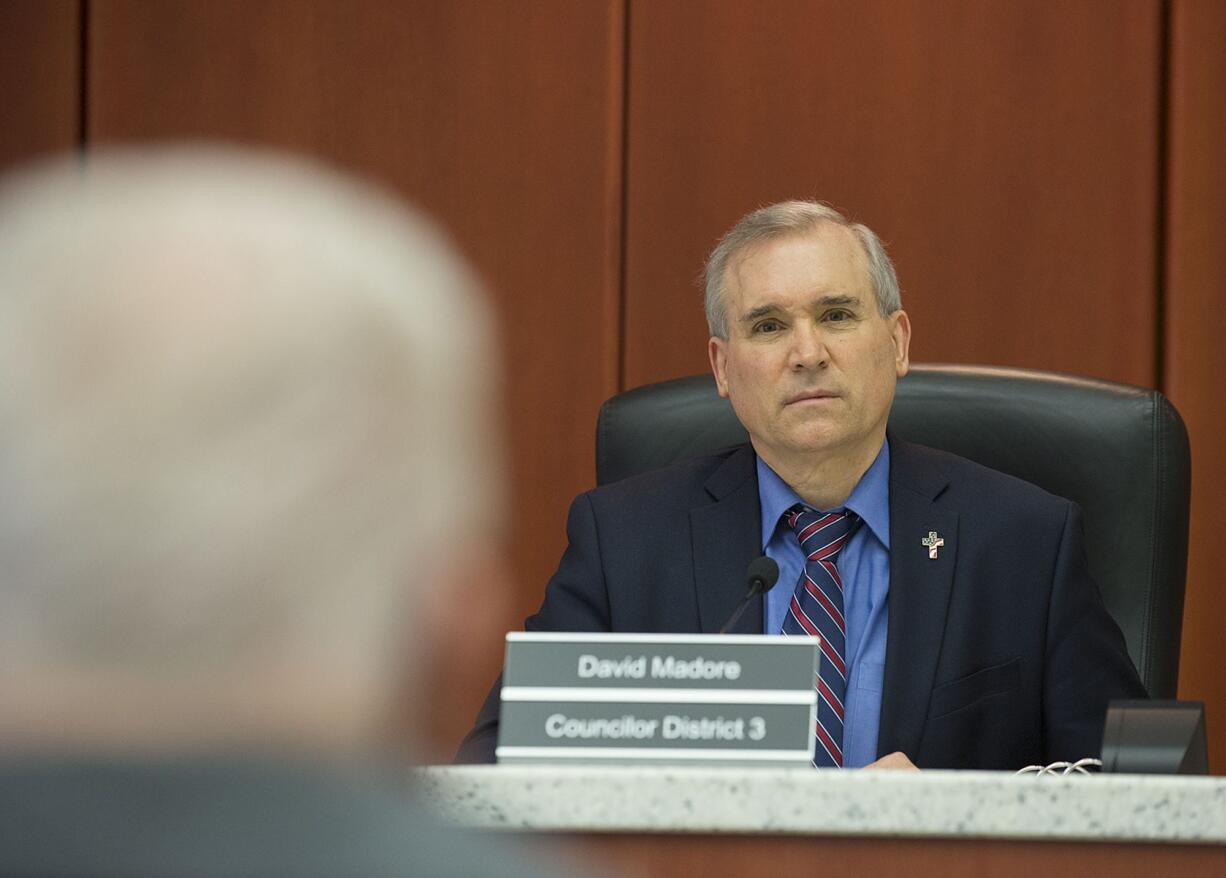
(817, 609)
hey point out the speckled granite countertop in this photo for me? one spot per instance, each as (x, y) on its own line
(806, 801)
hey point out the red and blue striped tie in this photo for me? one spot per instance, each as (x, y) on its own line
(817, 609)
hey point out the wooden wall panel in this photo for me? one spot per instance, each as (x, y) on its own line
(1005, 151)
(502, 119)
(1195, 327)
(40, 78)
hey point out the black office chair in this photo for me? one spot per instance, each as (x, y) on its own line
(1121, 452)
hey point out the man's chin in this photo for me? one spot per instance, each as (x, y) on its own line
(827, 440)
(810, 443)
(816, 433)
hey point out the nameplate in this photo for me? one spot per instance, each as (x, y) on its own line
(658, 698)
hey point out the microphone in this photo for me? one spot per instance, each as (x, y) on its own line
(763, 573)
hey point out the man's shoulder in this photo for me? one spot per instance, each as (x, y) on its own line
(683, 481)
(968, 482)
(230, 818)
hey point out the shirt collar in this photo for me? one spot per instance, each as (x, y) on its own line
(870, 498)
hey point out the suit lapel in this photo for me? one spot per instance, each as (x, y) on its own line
(726, 536)
(919, 595)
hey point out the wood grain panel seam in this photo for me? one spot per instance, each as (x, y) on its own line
(1162, 184)
(83, 13)
(624, 199)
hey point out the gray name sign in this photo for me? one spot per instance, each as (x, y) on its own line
(658, 698)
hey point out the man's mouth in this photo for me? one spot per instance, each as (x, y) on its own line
(812, 396)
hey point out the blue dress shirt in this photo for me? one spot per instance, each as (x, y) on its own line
(864, 565)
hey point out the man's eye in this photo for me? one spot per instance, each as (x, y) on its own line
(838, 315)
(766, 326)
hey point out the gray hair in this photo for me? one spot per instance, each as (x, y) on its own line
(246, 405)
(781, 220)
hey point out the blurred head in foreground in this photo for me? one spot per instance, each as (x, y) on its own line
(245, 424)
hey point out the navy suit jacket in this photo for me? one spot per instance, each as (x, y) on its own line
(1000, 652)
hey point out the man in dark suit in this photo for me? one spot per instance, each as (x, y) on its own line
(966, 630)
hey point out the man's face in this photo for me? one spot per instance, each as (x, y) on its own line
(810, 364)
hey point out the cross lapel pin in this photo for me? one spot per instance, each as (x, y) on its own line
(932, 542)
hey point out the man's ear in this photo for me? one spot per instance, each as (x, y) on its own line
(717, 351)
(900, 331)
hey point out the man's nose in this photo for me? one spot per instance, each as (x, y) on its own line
(808, 349)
